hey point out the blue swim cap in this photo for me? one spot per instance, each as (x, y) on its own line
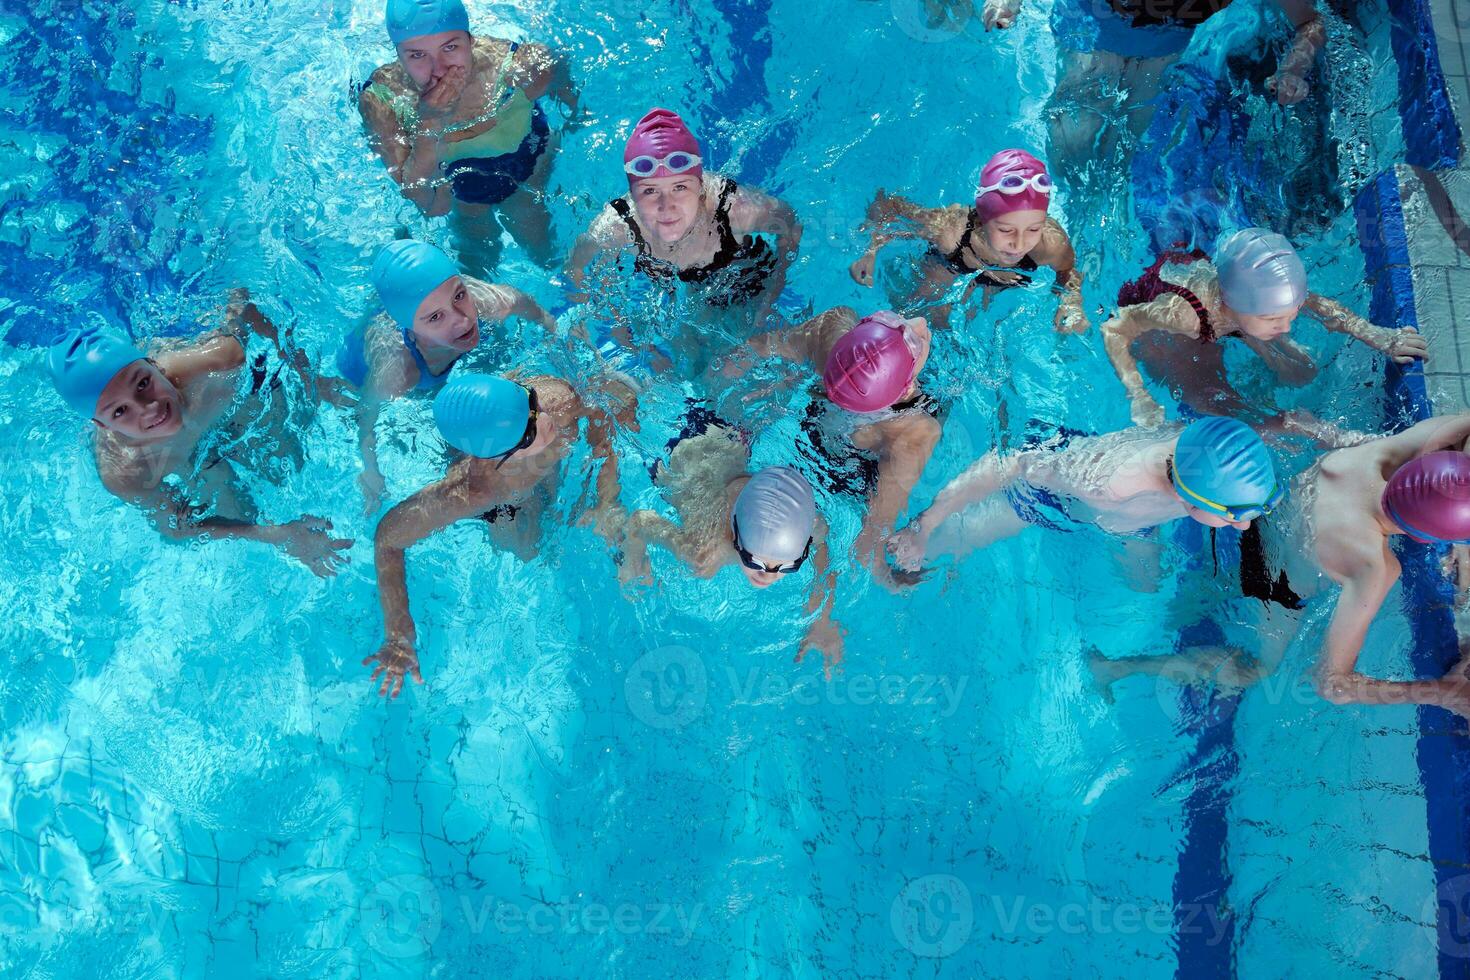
(482, 415)
(407, 271)
(1260, 273)
(1221, 464)
(84, 361)
(415, 18)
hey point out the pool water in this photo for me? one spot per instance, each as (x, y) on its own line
(199, 780)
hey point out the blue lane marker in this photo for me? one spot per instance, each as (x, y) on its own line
(1431, 132)
(1443, 751)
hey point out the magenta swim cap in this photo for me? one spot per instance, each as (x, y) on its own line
(1429, 498)
(871, 366)
(656, 135)
(1012, 163)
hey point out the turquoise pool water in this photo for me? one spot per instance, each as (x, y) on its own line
(199, 781)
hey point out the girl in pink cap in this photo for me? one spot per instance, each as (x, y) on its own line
(686, 226)
(871, 428)
(1003, 238)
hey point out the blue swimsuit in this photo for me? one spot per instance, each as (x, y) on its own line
(352, 361)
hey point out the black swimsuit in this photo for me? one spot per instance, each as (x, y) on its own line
(750, 260)
(955, 261)
(841, 467)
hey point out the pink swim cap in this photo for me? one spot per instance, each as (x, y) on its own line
(1429, 498)
(1006, 163)
(871, 366)
(658, 134)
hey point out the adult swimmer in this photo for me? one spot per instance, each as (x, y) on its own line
(433, 316)
(1345, 511)
(460, 122)
(1113, 46)
(876, 428)
(515, 436)
(1214, 470)
(999, 242)
(1173, 315)
(766, 523)
(688, 227)
(160, 415)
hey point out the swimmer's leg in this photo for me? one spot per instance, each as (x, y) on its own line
(477, 236)
(528, 220)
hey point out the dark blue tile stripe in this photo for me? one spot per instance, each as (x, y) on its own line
(1431, 132)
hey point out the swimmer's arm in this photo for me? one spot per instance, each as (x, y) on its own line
(754, 212)
(1366, 570)
(523, 305)
(1433, 435)
(1311, 36)
(459, 495)
(215, 352)
(1402, 345)
(546, 74)
(899, 469)
(1169, 313)
(608, 232)
(893, 218)
(986, 476)
(608, 513)
(412, 158)
(825, 633)
(1057, 254)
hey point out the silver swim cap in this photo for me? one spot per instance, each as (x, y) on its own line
(1260, 273)
(775, 513)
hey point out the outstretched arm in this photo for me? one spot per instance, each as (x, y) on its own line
(893, 219)
(906, 445)
(1056, 253)
(1289, 84)
(1404, 345)
(457, 496)
(825, 633)
(607, 233)
(754, 212)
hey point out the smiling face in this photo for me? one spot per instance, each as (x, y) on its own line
(428, 58)
(140, 404)
(1012, 236)
(668, 205)
(448, 317)
(1265, 327)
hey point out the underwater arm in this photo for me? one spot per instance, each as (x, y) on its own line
(890, 219)
(1289, 84)
(1126, 326)
(412, 159)
(825, 633)
(1404, 345)
(1057, 253)
(899, 468)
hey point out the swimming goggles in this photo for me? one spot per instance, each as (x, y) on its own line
(534, 411)
(748, 560)
(893, 321)
(1231, 512)
(677, 162)
(1016, 183)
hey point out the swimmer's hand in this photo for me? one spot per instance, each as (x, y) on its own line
(1288, 87)
(309, 541)
(395, 658)
(1146, 411)
(335, 391)
(909, 547)
(440, 95)
(1405, 346)
(1070, 319)
(862, 270)
(371, 482)
(1000, 13)
(826, 636)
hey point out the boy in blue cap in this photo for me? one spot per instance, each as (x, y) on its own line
(151, 414)
(433, 317)
(1216, 471)
(515, 435)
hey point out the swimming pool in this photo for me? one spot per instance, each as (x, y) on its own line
(199, 781)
